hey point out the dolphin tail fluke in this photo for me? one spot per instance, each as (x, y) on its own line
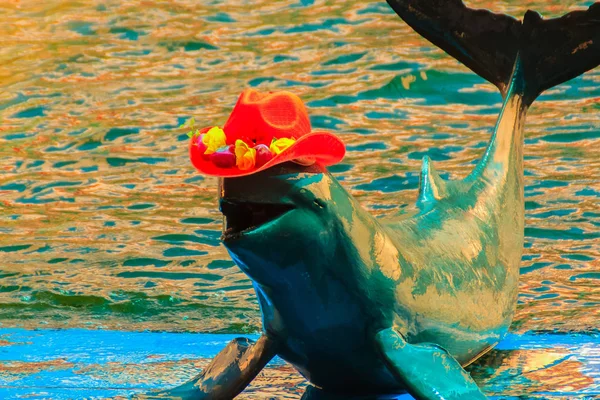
(552, 51)
(557, 50)
(480, 39)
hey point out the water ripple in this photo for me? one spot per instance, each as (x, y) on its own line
(104, 222)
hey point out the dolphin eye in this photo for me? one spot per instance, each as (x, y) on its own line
(319, 203)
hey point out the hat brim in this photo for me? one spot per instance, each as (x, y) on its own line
(322, 147)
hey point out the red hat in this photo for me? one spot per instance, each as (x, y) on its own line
(263, 130)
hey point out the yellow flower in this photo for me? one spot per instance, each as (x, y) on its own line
(279, 145)
(214, 139)
(245, 157)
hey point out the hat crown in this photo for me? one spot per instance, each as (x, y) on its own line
(261, 117)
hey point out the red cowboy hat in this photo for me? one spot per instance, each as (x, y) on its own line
(263, 130)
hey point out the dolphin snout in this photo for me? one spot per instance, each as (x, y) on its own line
(252, 201)
(242, 217)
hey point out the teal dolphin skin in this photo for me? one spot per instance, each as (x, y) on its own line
(377, 307)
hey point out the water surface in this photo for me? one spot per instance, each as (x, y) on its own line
(105, 224)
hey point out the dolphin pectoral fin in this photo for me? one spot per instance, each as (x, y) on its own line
(427, 370)
(431, 185)
(228, 373)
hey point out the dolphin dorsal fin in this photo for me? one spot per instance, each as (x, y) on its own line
(432, 186)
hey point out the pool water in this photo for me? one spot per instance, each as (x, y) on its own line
(104, 224)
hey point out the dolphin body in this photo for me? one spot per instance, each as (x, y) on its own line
(374, 307)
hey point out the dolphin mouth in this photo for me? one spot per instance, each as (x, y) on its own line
(242, 217)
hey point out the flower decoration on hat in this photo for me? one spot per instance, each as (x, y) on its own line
(263, 130)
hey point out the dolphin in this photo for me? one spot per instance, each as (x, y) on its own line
(378, 307)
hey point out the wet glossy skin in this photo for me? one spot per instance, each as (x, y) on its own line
(304, 276)
(329, 276)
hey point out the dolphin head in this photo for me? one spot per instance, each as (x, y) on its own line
(283, 220)
(307, 245)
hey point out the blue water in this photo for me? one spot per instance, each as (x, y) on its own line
(80, 363)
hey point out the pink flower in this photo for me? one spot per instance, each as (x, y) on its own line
(263, 155)
(223, 157)
(197, 141)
